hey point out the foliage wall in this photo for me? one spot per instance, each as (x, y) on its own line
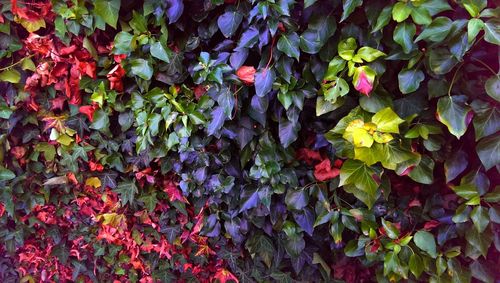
(250, 141)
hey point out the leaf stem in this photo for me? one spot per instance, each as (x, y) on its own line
(17, 63)
(453, 79)
(485, 65)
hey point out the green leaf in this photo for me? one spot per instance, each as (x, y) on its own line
(466, 191)
(289, 44)
(124, 43)
(488, 150)
(492, 87)
(323, 106)
(141, 68)
(309, 3)
(494, 214)
(436, 31)
(487, 119)
(480, 241)
(336, 65)
(474, 7)
(455, 165)
(369, 54)
(401, 11)
(480, 218)
(108, 10)
(403, 35)
(229, 22)
(361, 176)
(11, 76)
(421, 15)
(492, 31)
(339, 89)
(158, 51)
(297, 199)
(409, 80)
(101, 121)
(454, 114)
(383, 18)
(6, 174)
(441, 61)
(348, 7)
(416, 265)
(424, 171)
(126, 190)
(425, 241)
(138, 23)
(387, 121)
(390, 229)
(474, 26)
(346, 48)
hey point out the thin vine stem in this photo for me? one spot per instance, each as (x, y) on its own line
(17, 63)
(453, 79)
(485, 65)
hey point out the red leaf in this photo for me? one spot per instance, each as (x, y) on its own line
(429, 225)
(246, 74)
(89, 110)
(364, 84)
(324, 171)
(223, 275)
(308, 155)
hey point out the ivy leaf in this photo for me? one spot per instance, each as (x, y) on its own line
(309, 3)
(348, 7)
(480, 218)
(488, 149)
(401, 11)
(421, 15)
(339, 89)
(416, 265)
(289, 44)
(486, 120)
(174, 10)
(423, 172)
(455, 165)
(264, 79)
(217, 121)
(127, 190)
(474, 26)
(6, 174)
(141, 68)
(436, 31)
(319, 30)
(409, 80)
(425, 241)
(387, 121)
(288, 132)
(492, 31)
(492, 87)
(454, 114)
(297, 199)
(124, 43)
(108, 11)
(361, 176)
(229, 22)
(479, 241)
(158, 51)
(403, 35)
(11, 76)
(383, 18)
(369, 54)
(101, 121)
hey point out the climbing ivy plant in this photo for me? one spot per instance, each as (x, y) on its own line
(249, 141)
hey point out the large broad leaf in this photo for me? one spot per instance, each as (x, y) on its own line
(289, 44)
(336, 88)
(425, 241)
(480, 218)
(101, 121)
(454, 113)
(218, 118)
(488, 150)
(486, 120)
(409, 80)
(387, 121)
(348, 7)
(492, 31)
(124, 43)
(436, 31)
(455, 165)
(479, 241)
(297, 199)
(320, 29)
(264, 79)
(492, 87)
(6, 174)
(108, 10)
(229, 22)
(441, 61)
(424, 171)
(356, 173)
(158, 51)
(288, 132)
(174, 10)
(141, 68)
(11, 76)
(403, 35)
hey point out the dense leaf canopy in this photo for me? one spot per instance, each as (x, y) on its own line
(250, 141)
